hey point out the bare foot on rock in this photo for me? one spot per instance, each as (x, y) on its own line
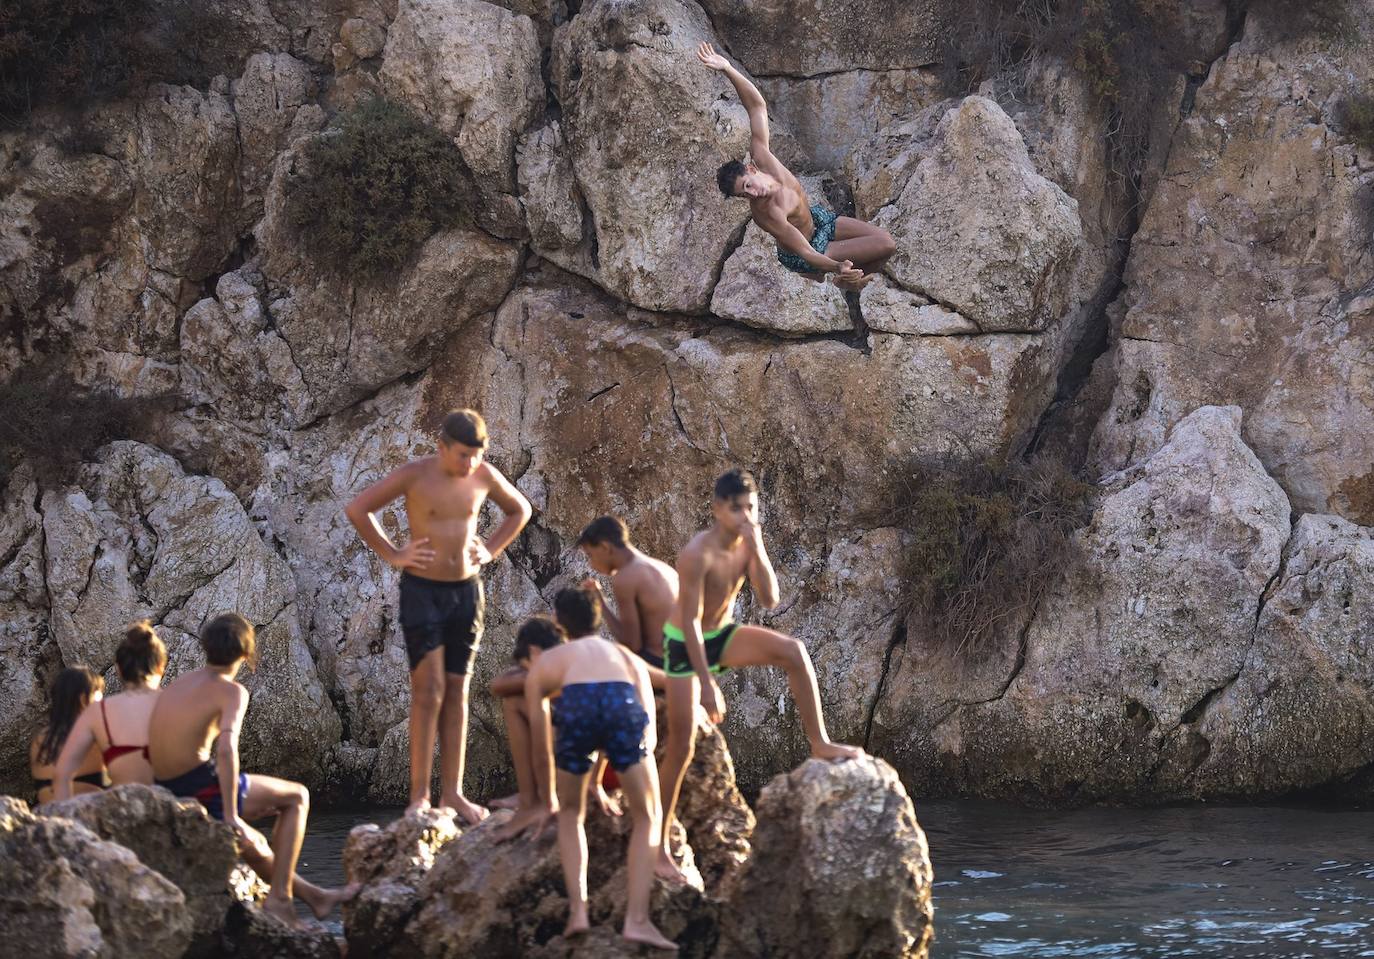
(577, 924)
(506, 802)
(418, 806)
(470, 812)
(324, 904)
(665, 868)
(646, 933)
(536, 819)
(835, 752)
(283, 910)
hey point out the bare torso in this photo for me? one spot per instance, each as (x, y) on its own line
(590, 659)
(444, 508)
(652, 586)
(128, 716)
(39, 770)
(185, 721)
(789, 204)
(724, 572)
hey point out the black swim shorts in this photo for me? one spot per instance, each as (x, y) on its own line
(435, 614)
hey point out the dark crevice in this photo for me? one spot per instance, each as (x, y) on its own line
(898, 639)
(603, 391)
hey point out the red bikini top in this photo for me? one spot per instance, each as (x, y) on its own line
(112, 751)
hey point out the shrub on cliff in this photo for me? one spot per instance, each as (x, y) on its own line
(1355, 119)
(54, 425)
(72, 52)
(986, 541)
(373, 188)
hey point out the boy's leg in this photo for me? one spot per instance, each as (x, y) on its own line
(756, 646)
(426, 698)
(269, 796)
(572, 846)
(518, 735)
(641, 798)
(683, 692)
(453, 744)
(867, 246)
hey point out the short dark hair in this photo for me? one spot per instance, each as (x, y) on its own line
(228, 638)
(605, 529)
(734, 483)
(72, 691)
(578, 611)
(466, 427)
(141, 654)
(728, 175)
(538, 632)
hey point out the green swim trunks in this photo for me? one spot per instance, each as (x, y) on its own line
(824, 221)
(675, 659)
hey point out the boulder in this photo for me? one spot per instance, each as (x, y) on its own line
(273, 103)
(891, 309)
(64, 892)
(1118, 665)
(757, 290)
(472, 69)
(1299, 713)
(717, 820)
(645, 127)
(250, 932)
(829, 36)
(1247, 281)
(173, 837)
(840, 868)
(979, 230)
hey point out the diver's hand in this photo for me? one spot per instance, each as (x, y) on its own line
(708, 56)
(413, 555)
(712, 701)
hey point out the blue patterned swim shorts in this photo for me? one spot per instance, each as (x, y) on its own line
(604, 716)
(825, 232)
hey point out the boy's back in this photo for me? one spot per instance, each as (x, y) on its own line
(590, 659)
(185, 720)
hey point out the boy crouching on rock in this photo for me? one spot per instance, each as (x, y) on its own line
(605, 703)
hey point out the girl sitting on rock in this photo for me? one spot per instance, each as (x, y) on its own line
(72, 691)
(118, 725)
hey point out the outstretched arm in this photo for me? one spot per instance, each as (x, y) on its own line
(749, 96)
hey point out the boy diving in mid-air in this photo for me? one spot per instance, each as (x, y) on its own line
(812, 241)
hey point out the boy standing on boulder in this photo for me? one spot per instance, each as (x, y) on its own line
(206, 705)
(700, 640)
(441, 603)
(604, 703)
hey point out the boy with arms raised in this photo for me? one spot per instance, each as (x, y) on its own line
(700, 640)
(190, 714)
(604, 703)
(441, 603)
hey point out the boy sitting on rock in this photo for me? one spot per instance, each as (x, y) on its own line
(605, 703)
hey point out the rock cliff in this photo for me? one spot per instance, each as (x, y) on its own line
(1194, 334)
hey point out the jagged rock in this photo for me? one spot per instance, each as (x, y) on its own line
(832, 115)
(66, 893)
(1300, 711)
(822, 36)
(978, 229)
(1239, 290)
(717, 820)
(348, 338)
(472, 69)
(268, 102)
(553, 202)
(390, 863)
(1122, 658)
(251, 933)
(755, 289)
(840, 868)
(174, 837)
(891, 309)
(26, 655)
(138, 537)
(645, 165)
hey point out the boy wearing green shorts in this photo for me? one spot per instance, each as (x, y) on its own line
(700, 640)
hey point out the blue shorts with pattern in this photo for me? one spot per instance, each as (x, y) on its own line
(825, 232)
(598, 716)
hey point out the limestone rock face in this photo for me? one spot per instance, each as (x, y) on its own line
(26, 655)
(141, 538)
(1247, 280)
(978, 229)
(1124, 656)
(1299, 711)
(347, 338)
(66, 893)
(840, 868)
(814, 36)
(173, 837)
(755, 289)
(645, 166)
(472, 69)
(891, 309)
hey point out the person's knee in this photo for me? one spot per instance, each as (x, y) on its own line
(793, 654)
(889, 245)
(426, 693)
(681, 746)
